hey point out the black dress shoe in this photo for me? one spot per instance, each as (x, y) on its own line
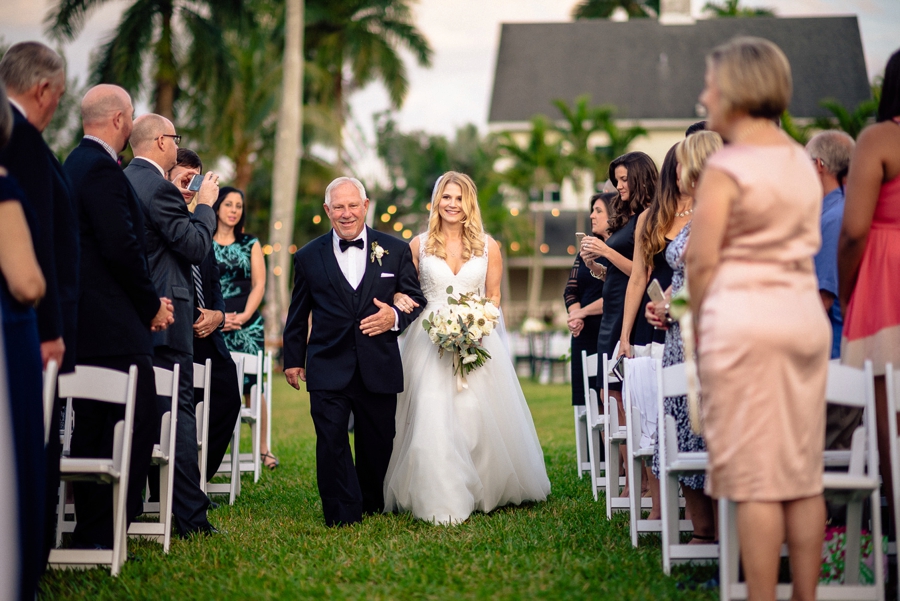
(207, 530)
(213, 505)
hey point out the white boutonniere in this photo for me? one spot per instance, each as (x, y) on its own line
(377, 253)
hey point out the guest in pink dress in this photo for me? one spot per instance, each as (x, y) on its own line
(869, 253)
(763, 339)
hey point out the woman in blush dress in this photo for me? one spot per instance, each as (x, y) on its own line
(869, 253)
(763, 340)
(242, 275)
(457, 451)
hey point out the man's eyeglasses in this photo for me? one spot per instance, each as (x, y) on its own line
(175, 138)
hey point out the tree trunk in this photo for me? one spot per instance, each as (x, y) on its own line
(166, 71)
(286, 175)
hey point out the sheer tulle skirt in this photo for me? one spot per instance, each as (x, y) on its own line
(459, 452)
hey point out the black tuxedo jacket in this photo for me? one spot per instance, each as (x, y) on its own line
(117, 298)
(175, 241)
(46, 187)
(212, 297)
(336, 345)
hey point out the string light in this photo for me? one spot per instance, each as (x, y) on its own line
(385, 218)
(398, 226)
(277, 270)
(277, 247)
(545, 248)
(277, 225)
(514, 246)
(555, 212)
(317, 219)
(407, 234)
(570, 249)
(514, 211)
(292, 248)
(267, 249)
(392, 209)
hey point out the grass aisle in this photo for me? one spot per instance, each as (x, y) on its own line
(276, 546)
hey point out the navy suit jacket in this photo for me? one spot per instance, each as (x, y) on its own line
(212, 297)
(117, 300)
(336, 345)
(28, 158)
(175, 241)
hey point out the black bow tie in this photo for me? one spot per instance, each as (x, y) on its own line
(345, 244)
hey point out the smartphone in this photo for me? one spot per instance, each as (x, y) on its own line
(618, 370)
(196, 182)
(656, 292)
(579, 236)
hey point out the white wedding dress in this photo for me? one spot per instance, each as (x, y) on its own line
(459, 452)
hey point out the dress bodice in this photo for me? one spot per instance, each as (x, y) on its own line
(435, 275)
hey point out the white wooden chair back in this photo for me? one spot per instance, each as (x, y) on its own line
(110, 386)
(613, 438)
(589, 423)
(892, 381)
(635, 453)
(49, 393)
(850, 387)
(253, 365)
(202, 380)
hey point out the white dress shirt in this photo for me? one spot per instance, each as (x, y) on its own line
(154, 163)
(351, 261)
(18, 106)
(353, 265)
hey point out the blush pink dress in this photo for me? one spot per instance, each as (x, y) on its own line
(764, 338)
(872, 324)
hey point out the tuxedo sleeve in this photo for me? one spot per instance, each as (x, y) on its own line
(117, 238)
(297, 327)
(408, 284)
(187, 236)
(26, 159)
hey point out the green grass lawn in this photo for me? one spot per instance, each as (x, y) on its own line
(277, 547)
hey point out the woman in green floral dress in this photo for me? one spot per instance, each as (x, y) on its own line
(242, 275)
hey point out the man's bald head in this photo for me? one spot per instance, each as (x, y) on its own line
(102, 102)
(153, 138)
(147, 130)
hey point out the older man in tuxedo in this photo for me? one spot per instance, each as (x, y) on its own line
(35, 79)
(118, 308)
(175, 241)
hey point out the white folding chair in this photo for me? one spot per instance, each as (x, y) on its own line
(163, 457)
(267, 394)
(252, 366)
(232, 488)
(582, 421)
(635, 453)
(65, 508)
(49, 393)
(110, 386)
(595, 422)
(892, 381)
(613, 438)
(850, 387)
(672, 382)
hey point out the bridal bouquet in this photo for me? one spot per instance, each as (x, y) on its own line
(459, 327)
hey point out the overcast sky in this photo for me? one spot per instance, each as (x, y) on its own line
(464, 35)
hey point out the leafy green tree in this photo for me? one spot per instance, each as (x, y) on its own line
(147, 37)
(800, 133)
(603, 9)
(850, 121)
(356, 42)
(538, 163)
(732, 8)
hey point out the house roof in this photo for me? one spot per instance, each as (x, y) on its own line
(653, 71)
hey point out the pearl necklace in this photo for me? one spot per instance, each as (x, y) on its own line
(685, 213)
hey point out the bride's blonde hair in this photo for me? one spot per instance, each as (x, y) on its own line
(473, 228)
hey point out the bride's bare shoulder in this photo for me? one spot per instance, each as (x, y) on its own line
(414, 245)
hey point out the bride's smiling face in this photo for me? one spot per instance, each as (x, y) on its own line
(450, 206)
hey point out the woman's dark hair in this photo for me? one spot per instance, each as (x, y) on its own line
(642, 176)
(661, 213)
(889, 106)
(239, 226)
(605, 197)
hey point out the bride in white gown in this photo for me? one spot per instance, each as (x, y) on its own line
(476, 449)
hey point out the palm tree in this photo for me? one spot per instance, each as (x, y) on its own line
(603, 9)
(851, 122)
(732, 8)
(286, 171)
(146, 37)
(357, 42)
(619, 141)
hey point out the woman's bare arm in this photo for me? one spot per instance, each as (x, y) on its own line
(18, 263)
(637, 284)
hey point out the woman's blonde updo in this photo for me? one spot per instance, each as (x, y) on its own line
(473, 228)
(692, 153)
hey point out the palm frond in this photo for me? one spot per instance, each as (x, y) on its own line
(64, 21)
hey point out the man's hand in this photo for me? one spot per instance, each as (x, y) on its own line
(164, 317)
(294, 375)
(206, 324)
(53, 349)
(209, 190)
(379, 323)
(232, 322)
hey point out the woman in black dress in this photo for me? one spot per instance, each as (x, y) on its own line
(635, 176)
(584, 302)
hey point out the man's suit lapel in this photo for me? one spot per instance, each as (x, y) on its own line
(372, 271)
(333, 270)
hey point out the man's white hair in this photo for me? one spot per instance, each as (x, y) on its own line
(345, 180)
